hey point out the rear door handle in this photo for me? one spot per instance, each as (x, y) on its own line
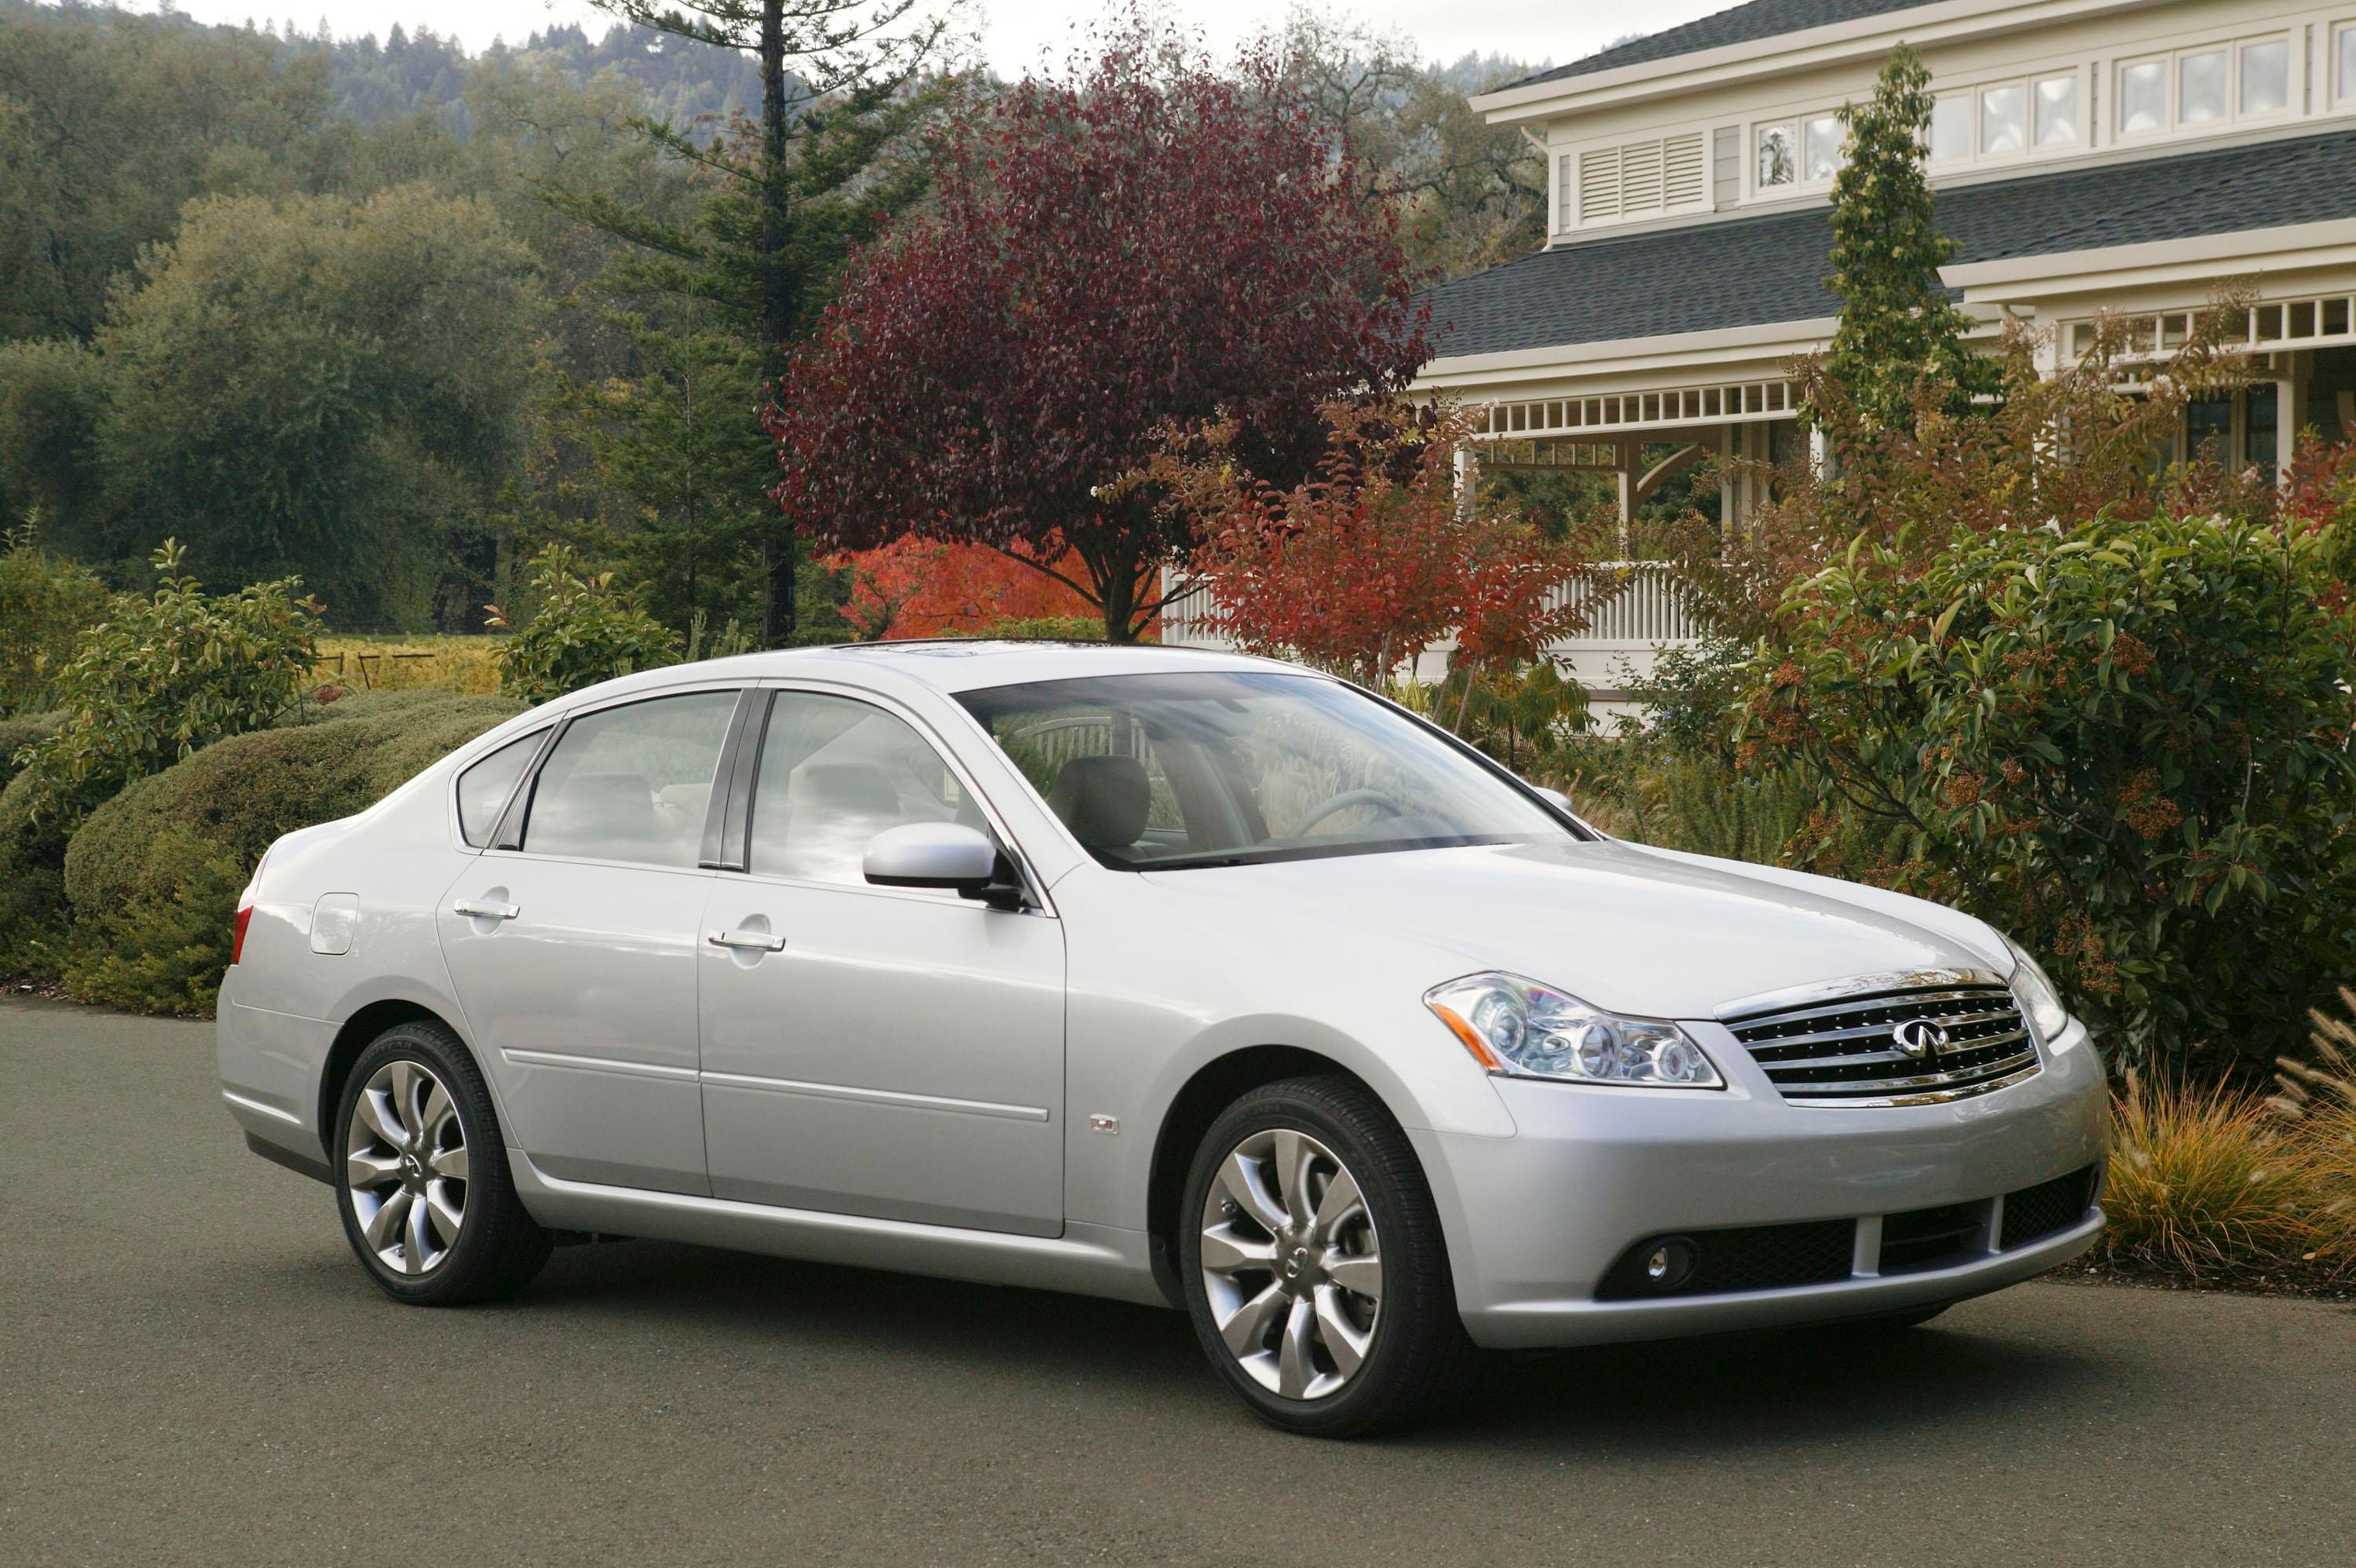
(757, 941)
(469, 907)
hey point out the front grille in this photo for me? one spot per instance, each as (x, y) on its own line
(1752, 1257)
(1846, 1051)
(1933, 1238)
(2036, 1213)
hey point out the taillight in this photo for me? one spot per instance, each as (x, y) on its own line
(245, 911)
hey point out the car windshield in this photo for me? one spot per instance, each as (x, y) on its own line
(1168, 772)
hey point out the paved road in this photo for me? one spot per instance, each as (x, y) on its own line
(193, 1369)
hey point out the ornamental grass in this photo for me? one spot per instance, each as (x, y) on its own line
(2210, 1184)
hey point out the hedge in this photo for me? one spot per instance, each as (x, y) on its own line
(152, 876)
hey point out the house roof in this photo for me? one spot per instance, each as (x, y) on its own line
(1752, 272)
(1737, 25)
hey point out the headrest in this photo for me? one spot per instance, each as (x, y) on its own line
(1103, 800)
(860, 787)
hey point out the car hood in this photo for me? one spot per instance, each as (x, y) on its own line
(1625, 927)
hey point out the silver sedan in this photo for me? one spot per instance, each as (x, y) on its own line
(1154, 973)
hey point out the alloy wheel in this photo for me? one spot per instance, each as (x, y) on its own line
(1291, 1263)
(405, 1161)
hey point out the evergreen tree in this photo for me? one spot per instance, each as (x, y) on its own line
(792, 192)
(1898, 327)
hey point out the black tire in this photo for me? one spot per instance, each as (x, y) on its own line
(1418, 1356)
(500, 1247)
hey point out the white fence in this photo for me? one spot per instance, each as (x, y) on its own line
(1634, 608)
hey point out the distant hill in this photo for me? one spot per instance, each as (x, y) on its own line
(411, 72)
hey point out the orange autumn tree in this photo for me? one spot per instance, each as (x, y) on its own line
(1375, 556)
(919, 587)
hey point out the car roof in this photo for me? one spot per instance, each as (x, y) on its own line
(967, 664)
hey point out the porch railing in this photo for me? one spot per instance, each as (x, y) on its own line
(1629, 604)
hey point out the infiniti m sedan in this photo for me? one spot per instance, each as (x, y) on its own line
(1158, 974)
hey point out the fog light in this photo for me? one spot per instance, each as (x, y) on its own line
(1670, 1263)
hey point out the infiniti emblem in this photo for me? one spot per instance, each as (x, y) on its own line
(1922, 1039)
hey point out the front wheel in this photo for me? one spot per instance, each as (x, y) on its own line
(421, 1180)
(1314, 1269)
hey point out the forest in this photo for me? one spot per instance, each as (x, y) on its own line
(395, 318)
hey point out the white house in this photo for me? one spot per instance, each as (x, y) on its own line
(2089, 156)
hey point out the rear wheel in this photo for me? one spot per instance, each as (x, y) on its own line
(422, 1175)
(1314, 1269)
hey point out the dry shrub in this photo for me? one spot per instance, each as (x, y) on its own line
(2209, 1183)
(2318, 1097)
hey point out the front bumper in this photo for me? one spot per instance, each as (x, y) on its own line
(1535, 1221)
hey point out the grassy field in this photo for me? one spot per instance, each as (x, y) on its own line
(425, 663)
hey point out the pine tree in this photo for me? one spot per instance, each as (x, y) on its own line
(1898, 327)
(792, 192)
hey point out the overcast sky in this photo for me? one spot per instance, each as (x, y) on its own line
(1015, 32)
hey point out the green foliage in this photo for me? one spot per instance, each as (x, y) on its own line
(584, 630)
(45, 603)
(51, 396)
(162, 676)
(322, 387)
(1690, 698)
(1898, 327)
(2123, 742)
(23, 731)
(153, 875)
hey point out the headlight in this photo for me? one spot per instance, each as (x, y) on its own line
(1519, 1026)
(2038, 999)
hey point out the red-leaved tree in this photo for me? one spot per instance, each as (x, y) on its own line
(1153, 243)
(1373, 557)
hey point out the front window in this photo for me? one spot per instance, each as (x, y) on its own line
(2265, 76)
(1951, 128)
(2057, 112)
(1217, 768)
(834, 773)
(1823, 147)
(2003, 117)
(2201, 86)
(2142, 98)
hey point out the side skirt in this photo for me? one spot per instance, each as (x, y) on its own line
(1086, 1259)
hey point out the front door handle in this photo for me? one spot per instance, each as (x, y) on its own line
(475, 911)
(756, 941)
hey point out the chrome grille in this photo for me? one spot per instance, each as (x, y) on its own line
(1840, 1045)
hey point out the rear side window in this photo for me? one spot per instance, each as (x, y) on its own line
(632, 782)
(483, 789)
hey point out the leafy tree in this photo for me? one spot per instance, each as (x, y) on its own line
(109, 124)
(52, 392)
(1898, 325)
(163, 674)
(1150, 243)
(321, 386)
(585, 630)
(791, 191)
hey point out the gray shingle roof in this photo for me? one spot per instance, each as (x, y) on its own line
(1750, 271)
(1741, 25)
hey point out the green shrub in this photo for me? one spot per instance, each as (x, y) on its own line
(45, 603)
(585, 630)
(153, 875)
(23, 731)
(2122, 742)
(164, 674)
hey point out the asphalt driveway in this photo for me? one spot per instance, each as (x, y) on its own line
(193, 1369)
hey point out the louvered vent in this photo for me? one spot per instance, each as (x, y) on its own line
(1638, 178)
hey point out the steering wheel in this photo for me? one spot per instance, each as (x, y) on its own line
(1340, 803)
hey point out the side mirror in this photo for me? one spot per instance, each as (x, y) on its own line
(1554, 797)
(942, 855)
